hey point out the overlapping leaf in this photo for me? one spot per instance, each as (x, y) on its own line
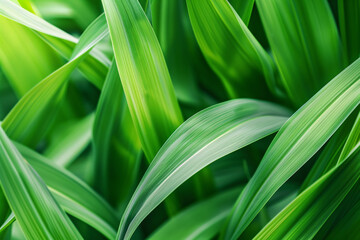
(29, 197)
(214, 130)
(297, 141)
(116, 144)
(349, 17)
(29, 120)
(304, 216)
(230, 48)
(143, 73)
(305, 44)
(94, 66)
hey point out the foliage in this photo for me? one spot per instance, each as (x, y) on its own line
(179, 119)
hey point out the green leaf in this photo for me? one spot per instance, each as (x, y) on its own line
(344, 222)
(201, 140)
(10, 219)
(230, 48)
(29, 120)
(304, 216)
(170, 21)
(349, 17)
(143, 73)
(116, 143)
(73, 195)
(31, 117)
(38, 60)
(305, 44)
(352, 140)
(39, 215)
(200, 221)
(243, 8)
(296, 142)
(94, 66)
(330, 154)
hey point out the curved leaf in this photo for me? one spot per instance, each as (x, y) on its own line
(296, 142)
(305, 43)
(143, 73)
(349, 17)
(29, 120)
(304, 216)
(29, 197)
(230, 48)
(201, 140)
(94, 66)
(73, 195)
(116, 143)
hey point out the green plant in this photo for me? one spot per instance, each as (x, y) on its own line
(179, 119)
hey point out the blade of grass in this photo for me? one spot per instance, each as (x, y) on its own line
(344, 222)
(115, 142)
(243, 8)
(296, 142)
(29, 120)
(73, 195)
(304, 216)
(352, 140)
(143, 74)
(171, 24)
(94, 66)
(199, 141)
(38, 60)
(39, 215)
(305, 43)
(230, 48)
(349, 17)
(330, 154)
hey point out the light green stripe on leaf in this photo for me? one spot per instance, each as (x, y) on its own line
(296, 142)
(94, 66)
(231, 49)
(39, 215)
(143, 73)
(199, 141)
(304, 216)
(305, 43)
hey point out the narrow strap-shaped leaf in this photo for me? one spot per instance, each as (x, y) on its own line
(304, 216)
(349, 18)
(143, 73)
(201, 140)
(352, 140)
(29, 197)
(116, 143)
(73, 195)
(31, 117)
(38, 59)
(29, 120)
(305, 43)
(200, 221)
(296, 142)
(243, 8)
(94, 66)
(329, 156)
(344, 222)
(230, 48)
(9, 220)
